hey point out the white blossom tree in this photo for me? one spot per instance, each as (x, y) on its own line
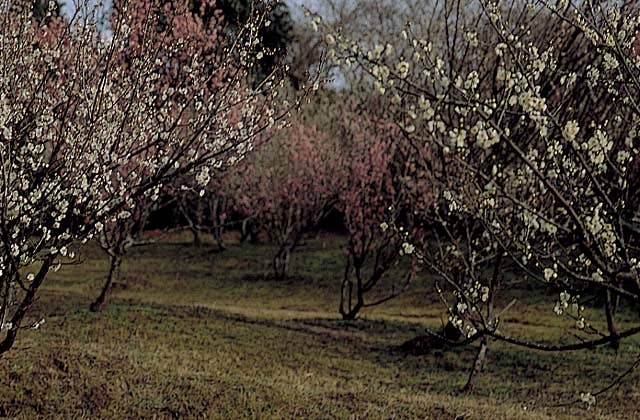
(91, 124)
(531, 112)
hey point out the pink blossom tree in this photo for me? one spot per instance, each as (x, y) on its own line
(289, 185)
(372, 197)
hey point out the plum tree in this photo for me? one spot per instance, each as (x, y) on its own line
(91, 124)
(372, 195)
(289, 185)
(531, 112)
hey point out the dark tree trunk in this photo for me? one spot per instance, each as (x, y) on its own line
(281, 262)
(478, 363)
(114, 270)
(484, 341)
(351, 301)
(197, 239)
(218, 230)
(249, 232)
(351, 313)
(611, 322)
(24, 306)
(192, 224)
(217, 235)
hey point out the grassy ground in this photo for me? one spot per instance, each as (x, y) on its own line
(192, 333)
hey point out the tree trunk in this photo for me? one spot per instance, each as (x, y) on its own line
(348, 308)
(249, 232)
(217, 235)
(114, 269)
(24, 306)
(197, 239)
(281, 263)
(192, 225)
(218, 230)
(484, 341)
(477, 364)
(352, 312)
(611, 323)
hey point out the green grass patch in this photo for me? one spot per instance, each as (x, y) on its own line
(193, 333)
